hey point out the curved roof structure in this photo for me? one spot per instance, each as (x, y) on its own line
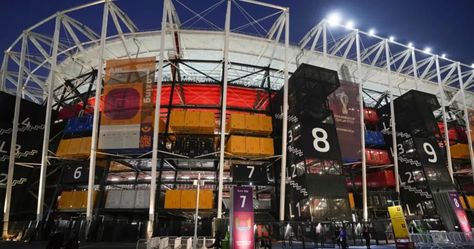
(359, 56)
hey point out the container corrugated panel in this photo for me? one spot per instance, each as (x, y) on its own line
(188, 199)
(207, 122)
(128, 199)
(236, 145)
(206, 199)
(113, 198)
(142, 199)
(236, 123)
(63, 148)
(252, 146)
(266, 146)
(173, 199)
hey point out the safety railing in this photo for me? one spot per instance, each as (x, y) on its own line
(442, 239)
(174, 243)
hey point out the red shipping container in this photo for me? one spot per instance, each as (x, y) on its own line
(380, 179)
(370, 116)
(377, 157)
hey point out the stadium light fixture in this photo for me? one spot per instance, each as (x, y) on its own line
(391, 38)
(427, 50)
(443, 56)
(410, 44)
(334, 18)
(350, 24)
(472, 65)
(372, 32)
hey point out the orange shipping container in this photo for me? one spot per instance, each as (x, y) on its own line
(192, 121)
(236, 123)
(252, 146)
(188, 199)
(63, 148)
(236, 145)
(266, 146)
(351, 201)
(206, 199)
(252, 123)
(177, 120)
(207, 122)
(265, 126)
(459, 151)
(173, 199)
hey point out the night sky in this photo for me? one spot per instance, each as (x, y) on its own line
(445, 26)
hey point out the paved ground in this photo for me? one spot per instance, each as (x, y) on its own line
(42, 245)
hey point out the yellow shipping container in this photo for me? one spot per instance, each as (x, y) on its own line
(236, 145)
(236, 123)
(177, 120)
(74, 147)
(188, 199)
(192, 121)
(265, 125)
(85, 149)
(207, 122)
(470, 201)
(252, 146)
(266, 146)
(206, 199)
(460, 151)
(252, 123)
(173, 199)
(63, 148)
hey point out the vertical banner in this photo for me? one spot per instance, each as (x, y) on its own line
(127, 119)
(400, 229)
(241, 218)
(460, 214)
(344, 103)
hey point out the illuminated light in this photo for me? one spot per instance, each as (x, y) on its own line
(391, 38)
(427, 50)
(131, 178)
(372, 32)
(334, 19)
(170, 177)
(472, 65)
(443, 56)
(410, 45)
(350, 24)
(210, 178)
(115, 179)
(147, 177)
(185, 177)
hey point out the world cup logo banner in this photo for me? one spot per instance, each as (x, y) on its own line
(241, 218)
(344, 104)
(127, 117)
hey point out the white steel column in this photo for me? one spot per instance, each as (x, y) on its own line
(392, 121)
(16, 117)
(47, 119)
(415, 72)
(95, 126)
(466, 117)
(154, 155)
(325, 38)
(4, 71)
(362, 134)
(445, 123)
(223, 109)
(284, 134)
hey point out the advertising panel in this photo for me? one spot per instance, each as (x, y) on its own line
(460, 214)
(400, 228)
(241, 218)
(344, 103)
(127, 118)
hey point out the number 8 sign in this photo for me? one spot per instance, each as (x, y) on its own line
(320, 141)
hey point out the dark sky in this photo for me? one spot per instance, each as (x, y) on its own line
(445, 26)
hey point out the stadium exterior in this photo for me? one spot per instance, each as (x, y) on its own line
(38, 63)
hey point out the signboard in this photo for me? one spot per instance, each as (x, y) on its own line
(255, 174)
(460, 214)
(241, 218)
(400, 228)
(127, 118)
(344, 103)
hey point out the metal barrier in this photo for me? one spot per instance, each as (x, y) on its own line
(173, 243)
(442, 239)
